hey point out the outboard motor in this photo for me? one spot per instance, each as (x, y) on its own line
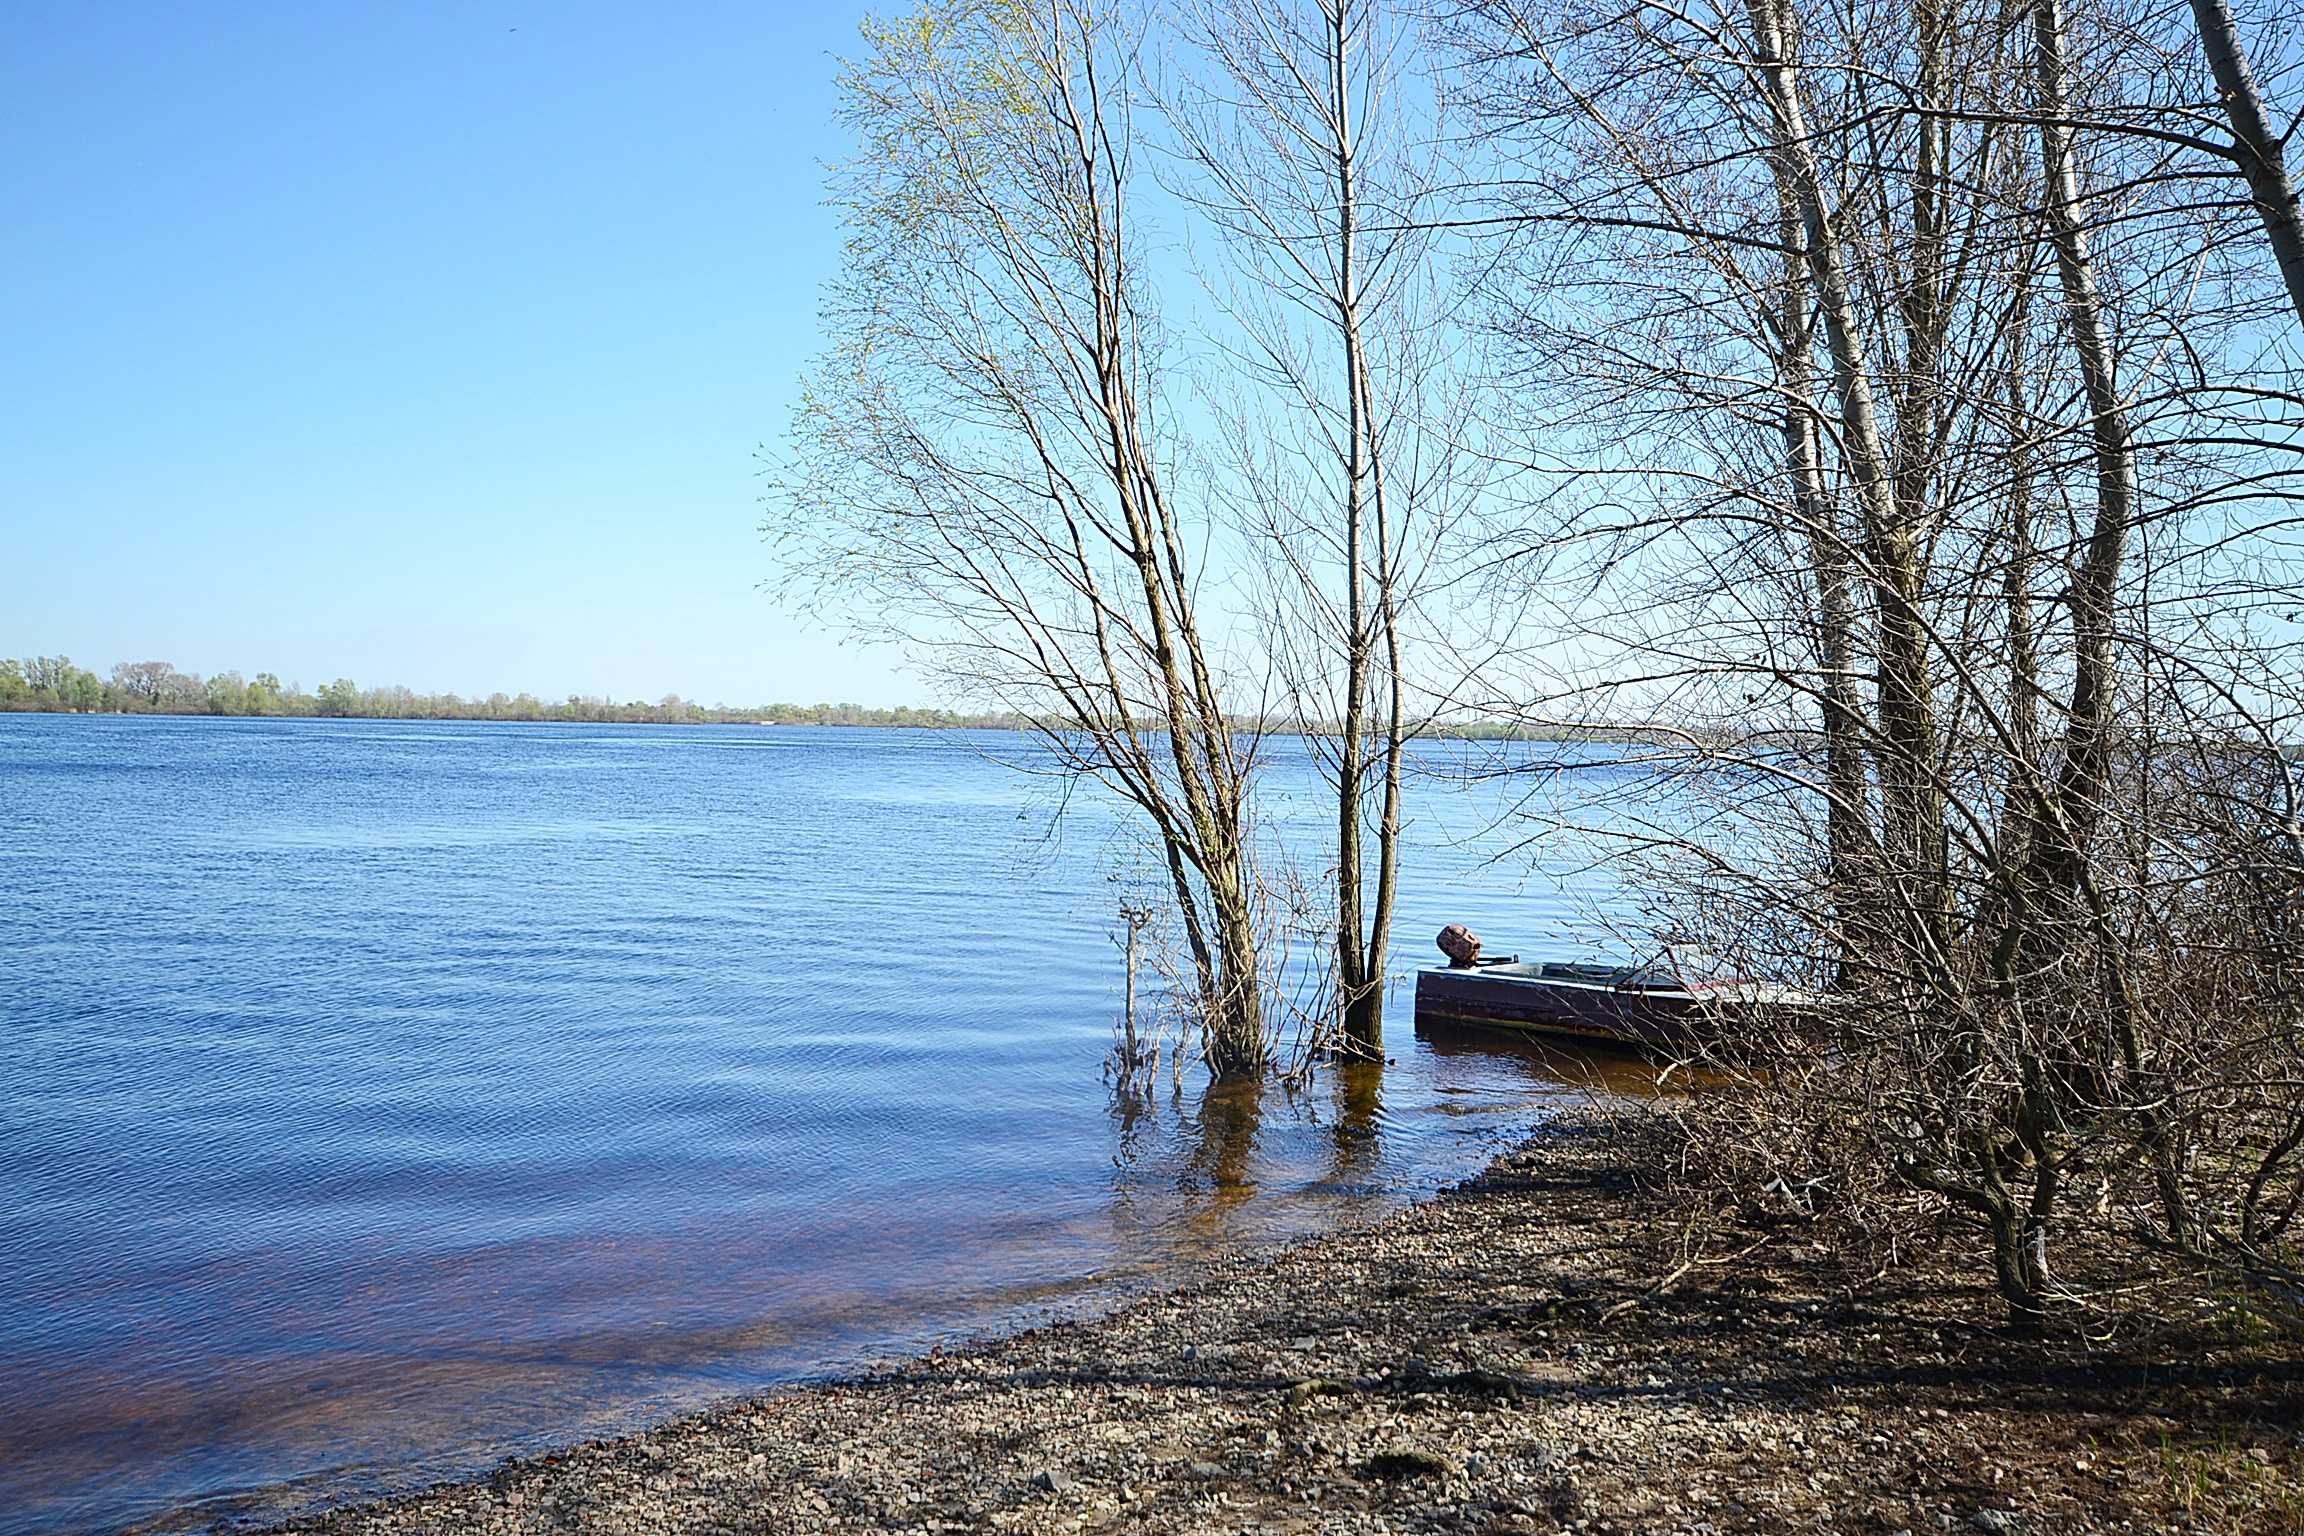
(1461, 945)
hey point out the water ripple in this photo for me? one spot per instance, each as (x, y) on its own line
(386, 1097)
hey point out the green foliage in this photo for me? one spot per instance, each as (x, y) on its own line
(53, 683)
(2225, 1486)
(157, 687)
(227, 694)
(48, 683)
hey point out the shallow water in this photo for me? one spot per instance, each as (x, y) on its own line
(383, 1097)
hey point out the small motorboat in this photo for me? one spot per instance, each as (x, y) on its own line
(1667, 1003)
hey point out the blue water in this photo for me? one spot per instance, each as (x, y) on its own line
(384, 1097)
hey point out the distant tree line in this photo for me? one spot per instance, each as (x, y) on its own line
(53, 683)
(160, 688)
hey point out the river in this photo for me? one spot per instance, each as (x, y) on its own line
(385, 1097)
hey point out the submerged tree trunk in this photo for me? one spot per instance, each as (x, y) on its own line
(978, 471)
(1328, 227)
(1359, 962)
(1369, 1036)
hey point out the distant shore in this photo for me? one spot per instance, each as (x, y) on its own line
(827, 716)
(1531, 1352)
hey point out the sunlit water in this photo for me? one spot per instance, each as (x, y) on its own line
(382, 1098)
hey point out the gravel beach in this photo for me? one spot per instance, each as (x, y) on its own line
(1530, 1352)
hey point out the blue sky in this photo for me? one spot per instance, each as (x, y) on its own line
(423, 343)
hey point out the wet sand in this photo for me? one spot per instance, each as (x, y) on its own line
(1527, 1353)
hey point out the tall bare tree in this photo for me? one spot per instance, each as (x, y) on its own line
(982, 470)
(1309, 151)
(1848, 343)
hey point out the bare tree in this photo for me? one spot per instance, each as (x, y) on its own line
(1887, 403)
(982, 471)
(1308, 152)
(155, 684)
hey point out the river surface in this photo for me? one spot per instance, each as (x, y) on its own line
(385, 1097)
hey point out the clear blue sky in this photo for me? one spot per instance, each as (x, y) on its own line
(422, 343)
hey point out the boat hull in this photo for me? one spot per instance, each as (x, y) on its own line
(1646, 1017)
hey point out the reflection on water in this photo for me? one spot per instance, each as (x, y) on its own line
(1223, 1155)
(1359, 1123)
(382, 1101)
(1588, 1066)
(1197, 1175)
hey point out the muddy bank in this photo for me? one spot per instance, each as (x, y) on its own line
(1502, 1359)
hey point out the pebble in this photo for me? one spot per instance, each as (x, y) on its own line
(1374, 1383)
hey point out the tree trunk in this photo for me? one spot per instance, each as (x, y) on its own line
(1360, 973)
(2080, 780)
(2063, 866)
(2255, 145)
(1847, 823)
(1395, 756)
(1911, 796)
(1234, 1029)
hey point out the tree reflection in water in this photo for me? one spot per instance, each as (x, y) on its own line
(1222, 1165)
(1358, 1135)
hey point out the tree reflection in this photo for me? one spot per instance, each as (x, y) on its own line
(1357, 1143)
(1225, 1132)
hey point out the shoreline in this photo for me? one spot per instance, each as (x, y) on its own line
(1529, 1351)
(1472, 735)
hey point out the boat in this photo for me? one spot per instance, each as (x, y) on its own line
(1663, 1004)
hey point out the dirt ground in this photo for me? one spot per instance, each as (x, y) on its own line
(1503, 1359)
